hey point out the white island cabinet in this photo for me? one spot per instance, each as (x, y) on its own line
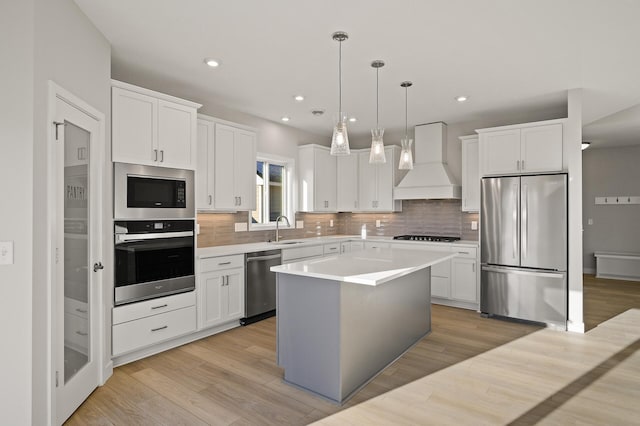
(152, 128)
(343, 319)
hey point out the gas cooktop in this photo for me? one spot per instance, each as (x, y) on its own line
(435, 238)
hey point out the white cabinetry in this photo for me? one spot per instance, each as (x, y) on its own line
(376, 182)
(464, 276)
(470, 174)
(453, 282)
(142, 324)
(317, 179)
(376, 244)
(220, 290)
(331, 249)
(226, 166)
(347, 183)
(152, 128)
(526, 148)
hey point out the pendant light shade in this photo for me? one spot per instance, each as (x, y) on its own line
(377, 145)
(406, 157)
(340, 138)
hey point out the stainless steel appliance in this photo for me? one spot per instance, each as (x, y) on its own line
(433, 238)
(153, 258)
(260, 285)
(148, 192)
(524, 248)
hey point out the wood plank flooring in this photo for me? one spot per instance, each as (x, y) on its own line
(604, 299)
(231, 378)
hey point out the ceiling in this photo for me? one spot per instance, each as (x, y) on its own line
(509, 57)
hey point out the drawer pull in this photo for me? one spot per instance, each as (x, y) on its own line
(82, 311)
(159, 306)
(333, 248)
(159, 328)
(224, 263)
(463, 252)
(81, 333)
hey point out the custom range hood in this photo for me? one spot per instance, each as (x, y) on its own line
(430, 177)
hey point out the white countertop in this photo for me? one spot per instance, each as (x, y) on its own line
(368, 267)
(206, 252)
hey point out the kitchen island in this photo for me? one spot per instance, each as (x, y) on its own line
(343, 319)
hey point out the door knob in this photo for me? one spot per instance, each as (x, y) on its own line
(97, 266)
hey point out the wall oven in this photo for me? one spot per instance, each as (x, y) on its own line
(153, 258)
(148, 192)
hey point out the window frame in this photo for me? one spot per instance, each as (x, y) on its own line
(289, 192)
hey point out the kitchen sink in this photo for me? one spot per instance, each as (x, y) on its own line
(286, 242)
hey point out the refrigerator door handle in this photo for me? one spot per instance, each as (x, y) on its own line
(525, 221)
(515, 222)
(548, 274)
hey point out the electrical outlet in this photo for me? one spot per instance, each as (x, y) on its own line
(589, 221)
(377, 223)
(474, 225)
(6, 252)
(197, 229)
(241, 226)
(330, 223)
(299, 224)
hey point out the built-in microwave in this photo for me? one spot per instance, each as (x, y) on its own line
(148, 192)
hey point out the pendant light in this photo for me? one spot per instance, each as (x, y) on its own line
(377, 145)
(406, 158)
(340, 139)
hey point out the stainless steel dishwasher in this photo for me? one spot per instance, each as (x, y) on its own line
(260, 285)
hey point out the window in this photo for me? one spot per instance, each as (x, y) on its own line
(273, 191)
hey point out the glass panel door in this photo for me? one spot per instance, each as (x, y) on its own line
(76, 249)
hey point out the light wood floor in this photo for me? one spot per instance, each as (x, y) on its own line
(231, 378)
(604, 299)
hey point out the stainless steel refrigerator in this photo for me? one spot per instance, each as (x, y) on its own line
(524, 248)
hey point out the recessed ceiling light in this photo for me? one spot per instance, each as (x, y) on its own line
(285, 118)
(462, 98)
(213, 63)
(298, 98)
(353, 119)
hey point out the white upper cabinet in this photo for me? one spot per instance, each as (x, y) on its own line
(152, 128)
(525, 148)
(317, 171)
(470, 173)
(347, 183)
(376, 182)
(226, 166)
(541, 148)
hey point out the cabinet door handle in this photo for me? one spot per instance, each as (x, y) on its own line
(473, 267)
(523, 165)
(224, 263)
(240, 200)
(82, 333)
(159, 306)
(159, 328)
(517, 164)
(210, 200)
(155, 155)
(161, 155)
(82, 311)
(463, 252)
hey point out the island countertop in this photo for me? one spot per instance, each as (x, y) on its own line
(368, 267)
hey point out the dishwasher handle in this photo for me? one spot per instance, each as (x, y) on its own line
(258, 258)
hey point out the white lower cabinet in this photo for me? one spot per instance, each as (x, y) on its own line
(331, 249)
(453, 282)
(142, 324)
(376, 244)
(463, 280)
(220, 290)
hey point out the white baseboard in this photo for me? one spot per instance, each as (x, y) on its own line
(107, 371)
(575, 327)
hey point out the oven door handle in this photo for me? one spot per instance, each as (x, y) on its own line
(124, 238)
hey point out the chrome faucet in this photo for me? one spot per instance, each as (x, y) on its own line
(278, 228)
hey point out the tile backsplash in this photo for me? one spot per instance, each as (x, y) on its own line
(427, 217)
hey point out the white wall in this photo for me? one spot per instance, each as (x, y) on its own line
(607, 172)
(70, 51)
(16, 187)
